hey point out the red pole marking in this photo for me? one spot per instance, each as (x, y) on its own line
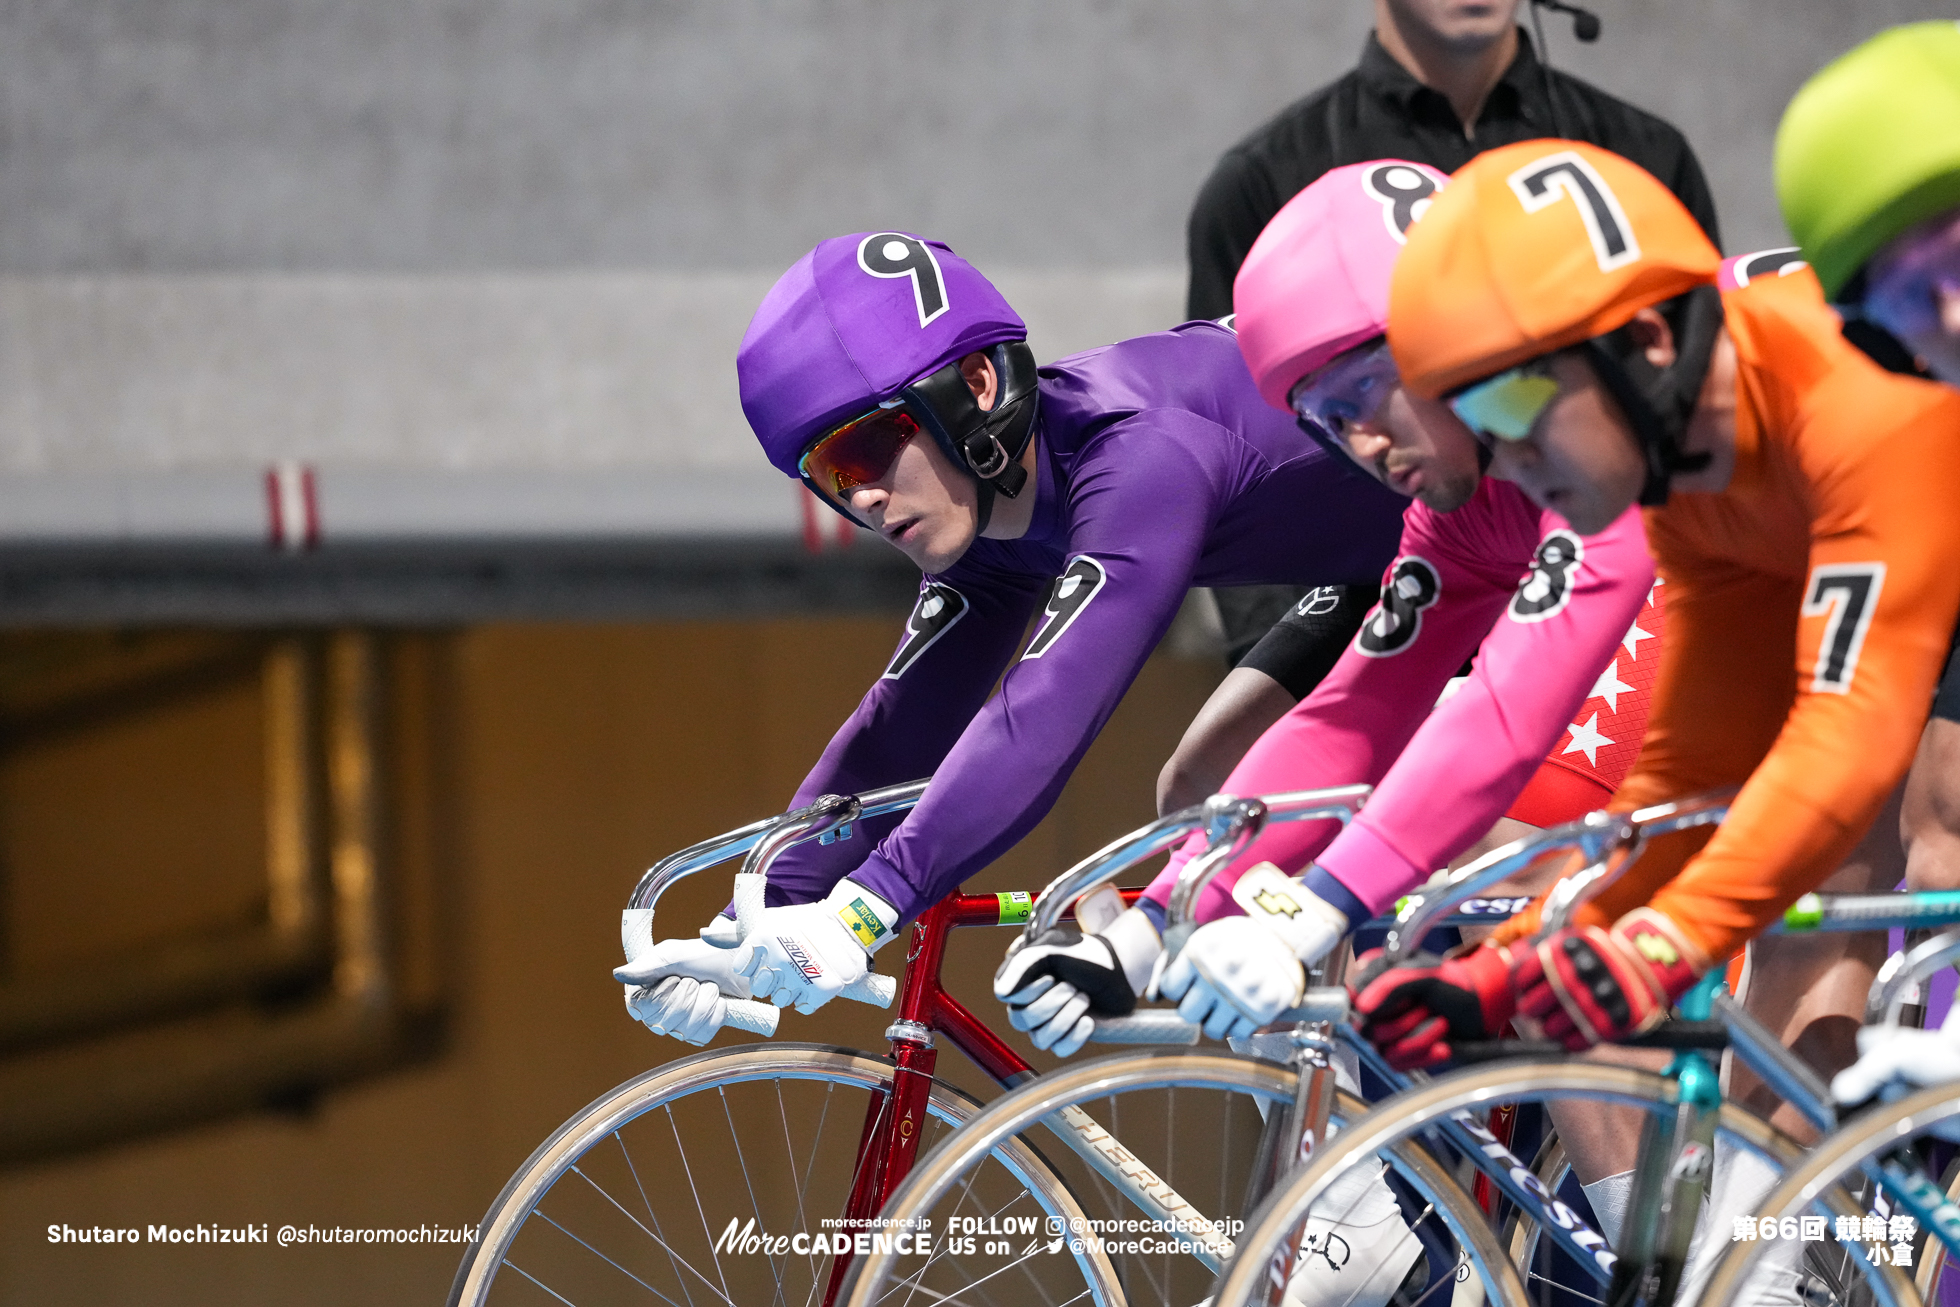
(812, 528)
(292, 505)
(275, 536)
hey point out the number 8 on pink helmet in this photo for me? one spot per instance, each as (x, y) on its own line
(1314, 288)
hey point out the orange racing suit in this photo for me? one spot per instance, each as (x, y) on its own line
(1838, 536)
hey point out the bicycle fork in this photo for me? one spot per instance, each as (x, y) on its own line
(893, 1122)
(1302, 1126)
(1678, 1153)
(1667, 1189)
(890, 1142)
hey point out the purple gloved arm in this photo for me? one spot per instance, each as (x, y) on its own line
(960, 634)
(1137, 526)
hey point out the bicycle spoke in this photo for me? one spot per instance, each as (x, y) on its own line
(1170, 1159)
(755, 1205)
(609, 1261)
(1224, 1134)
(1408, 1234)
(634, 1171)
(695, 1190)
(1159, 1289)
(1442, 1282)
(996, 1272)
(789, 1157)
(1556, 1287)
(816, 1144)
(931, 1258)
(540, 1283)
(600, 1190)
(966, 1197)
(1115, 1199)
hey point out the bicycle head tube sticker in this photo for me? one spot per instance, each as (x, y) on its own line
(1016, 906)
(939, 609)
(862, 922)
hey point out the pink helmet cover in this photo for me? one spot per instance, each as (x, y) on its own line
(1316, 281)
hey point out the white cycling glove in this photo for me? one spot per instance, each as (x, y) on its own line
(1237, 974)
(806, 954)
(1893, 1061)
(681, 987)
(1056, 986)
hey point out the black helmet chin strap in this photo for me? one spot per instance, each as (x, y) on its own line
(985, 443)
(1659, 402)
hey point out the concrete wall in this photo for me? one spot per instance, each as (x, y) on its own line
(464, 136)
(467, 235)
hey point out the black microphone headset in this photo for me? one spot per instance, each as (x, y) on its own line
(1585, 23)
(1585, 27)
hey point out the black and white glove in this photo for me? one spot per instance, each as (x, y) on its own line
(1056, 985)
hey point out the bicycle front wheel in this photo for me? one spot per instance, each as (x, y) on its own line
(1162, 1148)
(1426, 1107)
(1833, 1181)
(718, 1178)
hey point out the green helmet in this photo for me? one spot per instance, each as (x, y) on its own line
(1871, 147)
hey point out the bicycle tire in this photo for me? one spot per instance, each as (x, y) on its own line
(1010, 1116)
(1820, 1179)
(1523, 1236)
(560, 1155)
(1931, 1251)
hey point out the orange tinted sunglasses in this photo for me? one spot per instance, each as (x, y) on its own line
(855, 454)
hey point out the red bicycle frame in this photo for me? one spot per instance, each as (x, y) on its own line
(892, 1123)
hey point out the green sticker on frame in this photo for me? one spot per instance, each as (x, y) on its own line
(1016, 906)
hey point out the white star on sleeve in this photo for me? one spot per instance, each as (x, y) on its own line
(1609, 686)
(1586, 736)
(1633, 638)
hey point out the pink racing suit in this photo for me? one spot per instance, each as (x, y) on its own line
(1551, 610)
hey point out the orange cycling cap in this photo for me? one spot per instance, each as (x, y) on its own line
(1531, 248)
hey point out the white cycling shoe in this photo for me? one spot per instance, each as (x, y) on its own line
(1359, 1254)
(1357, 1249)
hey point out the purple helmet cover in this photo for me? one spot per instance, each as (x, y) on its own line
(850, 324)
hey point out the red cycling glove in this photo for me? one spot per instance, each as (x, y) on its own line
(1593, 986)
(1414, 1013)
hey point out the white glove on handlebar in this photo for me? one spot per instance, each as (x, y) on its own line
(1237, 974)
(1055, 987)
(681, 987)
(806, 954)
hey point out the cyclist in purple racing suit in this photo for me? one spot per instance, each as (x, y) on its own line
(1086, 496)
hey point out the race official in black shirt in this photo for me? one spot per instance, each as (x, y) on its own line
(1439, 81)
(1397, 103)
